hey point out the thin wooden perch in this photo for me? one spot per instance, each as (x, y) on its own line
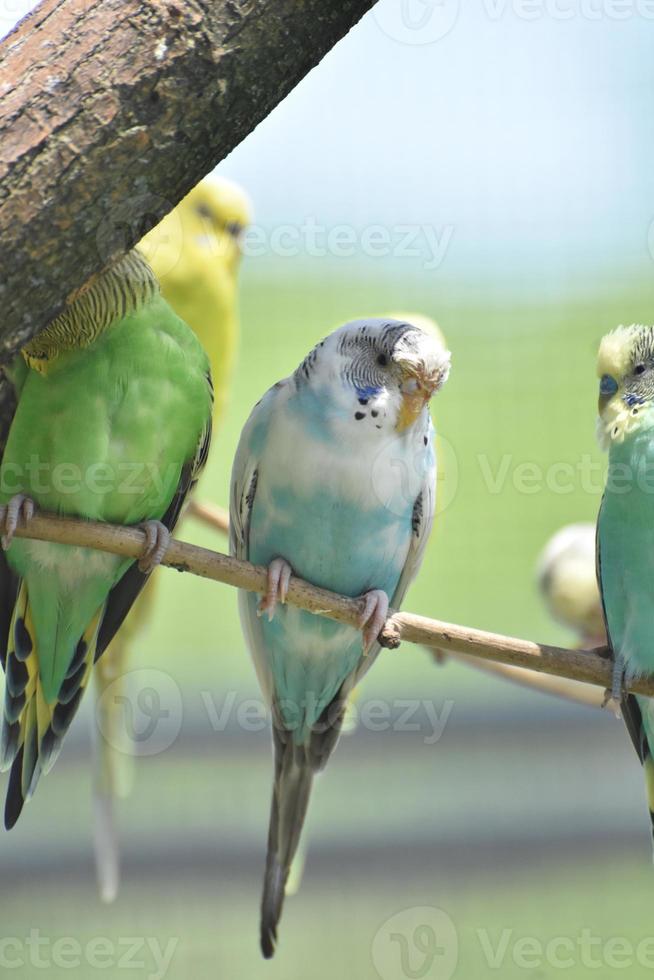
(591, 666)
(217, 518)
(111, 111)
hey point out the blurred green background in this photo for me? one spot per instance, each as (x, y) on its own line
(524, 823)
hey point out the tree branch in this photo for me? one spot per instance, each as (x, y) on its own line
(111, 111)
(591, 666)
(559, 687)
(218, 519)
(213, 516)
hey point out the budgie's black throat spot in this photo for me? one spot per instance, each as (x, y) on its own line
(359, 415)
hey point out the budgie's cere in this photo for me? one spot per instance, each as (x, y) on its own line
(118, 388)
(320, 486)
(567, 581)
(625, 533)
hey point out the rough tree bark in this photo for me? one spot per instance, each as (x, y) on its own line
(111, 110)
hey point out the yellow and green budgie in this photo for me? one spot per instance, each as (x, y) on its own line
(195, 252)
(112, 423)
(625, 527)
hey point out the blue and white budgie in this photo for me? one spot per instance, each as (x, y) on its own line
(334, 480)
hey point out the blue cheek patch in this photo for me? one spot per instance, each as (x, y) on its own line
(631, 400)
(366, 393)
(608, 385)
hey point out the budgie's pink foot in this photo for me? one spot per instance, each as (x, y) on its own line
(373, 617)
(19, 510)
(157, 539)
(279, 575)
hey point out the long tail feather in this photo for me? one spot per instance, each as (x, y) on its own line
(290, 800)
(642, 742)
(295, 766)
(105, 846)
(113, 758)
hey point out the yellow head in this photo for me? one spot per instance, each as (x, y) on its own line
(208, 223)
(195, 253)
(625, 367)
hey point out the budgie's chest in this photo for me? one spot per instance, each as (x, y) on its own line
(626, 544)
(339, 510)
(335, 497)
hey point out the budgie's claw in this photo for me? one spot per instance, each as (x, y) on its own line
(20, 509)
(157, 539)
(373, 617)
(279, 575)
(611, 703)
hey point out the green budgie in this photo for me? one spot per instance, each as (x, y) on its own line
(625, 529)
(113, 424)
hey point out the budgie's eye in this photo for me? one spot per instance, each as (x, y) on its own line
(382, 360)
(639, 369)
(204, 212)
(234, 228)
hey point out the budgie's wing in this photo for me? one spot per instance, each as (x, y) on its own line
(124, 593)
(10, 386)
(8, 591)
(422, 519)
(245, 476)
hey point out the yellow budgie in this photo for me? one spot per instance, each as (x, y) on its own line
(567, 581)
(195, 252)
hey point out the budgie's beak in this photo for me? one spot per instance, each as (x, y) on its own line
(417, 388)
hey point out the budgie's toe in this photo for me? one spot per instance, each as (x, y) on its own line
(157, 539)
(613, 696)
(279, 575)
(373, 617)
(611, 703)
(20, 509)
